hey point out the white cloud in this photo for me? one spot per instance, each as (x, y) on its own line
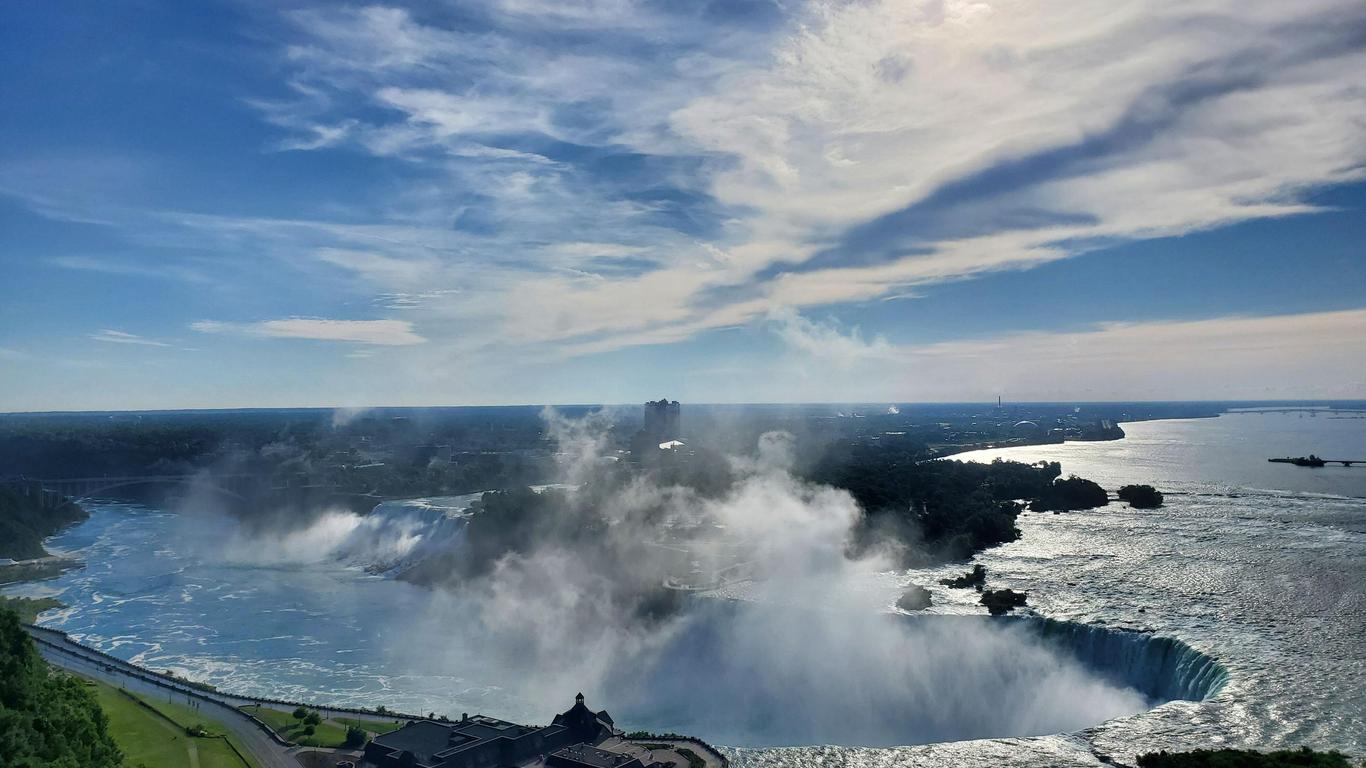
(120, 337)
(1318, 355)
(379, 269)
(825, 342)
(784, 146)
(376, 332)
(135, 269)
(1123, 120)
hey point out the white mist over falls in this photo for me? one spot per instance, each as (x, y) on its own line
(799, 646)
(809, 656)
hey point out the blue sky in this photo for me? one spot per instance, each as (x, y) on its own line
(520, 201)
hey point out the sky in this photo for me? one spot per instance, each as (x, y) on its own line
(251, 203)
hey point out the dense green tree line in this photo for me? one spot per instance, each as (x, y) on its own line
(936, 509)
(47, 719)
(25, 522)
(1243, 758)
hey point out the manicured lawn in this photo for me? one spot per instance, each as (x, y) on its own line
(213, 753)
(327, 734)
(143, 737)
(147, 739)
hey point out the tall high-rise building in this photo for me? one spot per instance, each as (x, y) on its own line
(661, 420)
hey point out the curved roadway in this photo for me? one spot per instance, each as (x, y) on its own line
(61, 652)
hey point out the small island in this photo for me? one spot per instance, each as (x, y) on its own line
(1141, 496)
(1002, 601)
(915, 598)
(973, 579)
(1070, 494)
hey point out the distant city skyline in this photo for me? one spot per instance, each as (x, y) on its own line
(247, 204)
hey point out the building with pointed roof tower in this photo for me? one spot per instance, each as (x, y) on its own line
(584, 725)
(486, 742)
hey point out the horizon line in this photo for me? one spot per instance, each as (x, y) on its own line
(246, 408)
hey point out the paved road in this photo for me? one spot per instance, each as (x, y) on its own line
(247, 734)
(43, 634)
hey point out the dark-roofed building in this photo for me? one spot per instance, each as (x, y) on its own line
(584, 725)
(486, 742)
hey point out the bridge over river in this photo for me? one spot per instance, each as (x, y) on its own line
(244, 489)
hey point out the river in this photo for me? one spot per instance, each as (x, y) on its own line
(1260, 566)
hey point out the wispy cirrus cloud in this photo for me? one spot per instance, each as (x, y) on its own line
(111, 336)
(387, 333)
(1234, 357)
(109, 266)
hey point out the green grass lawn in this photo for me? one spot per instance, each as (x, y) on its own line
(149, 740)
(143, 737)
(329, 733)
(373, 726)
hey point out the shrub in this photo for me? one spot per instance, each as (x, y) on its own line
(356, 737)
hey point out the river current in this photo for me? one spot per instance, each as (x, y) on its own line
(1260, 566)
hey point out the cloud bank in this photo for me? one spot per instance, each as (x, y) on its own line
(542, 183)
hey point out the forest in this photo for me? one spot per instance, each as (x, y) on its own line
(48, 719)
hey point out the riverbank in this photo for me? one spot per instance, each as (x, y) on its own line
(28, 515)
(37, 569)
(28, 608)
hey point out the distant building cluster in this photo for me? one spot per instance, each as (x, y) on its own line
(660, 428)
(572, 740)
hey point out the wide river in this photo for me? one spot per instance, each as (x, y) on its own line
(1261, 566)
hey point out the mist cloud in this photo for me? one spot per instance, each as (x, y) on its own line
(807, 652)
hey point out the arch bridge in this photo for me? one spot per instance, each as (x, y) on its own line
(242, 487)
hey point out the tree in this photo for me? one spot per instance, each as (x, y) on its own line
(356, 737)
(313, 718)
(309, 730)
(47, 718)
(300, 713)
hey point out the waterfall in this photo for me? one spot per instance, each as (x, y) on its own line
(1161, 668)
